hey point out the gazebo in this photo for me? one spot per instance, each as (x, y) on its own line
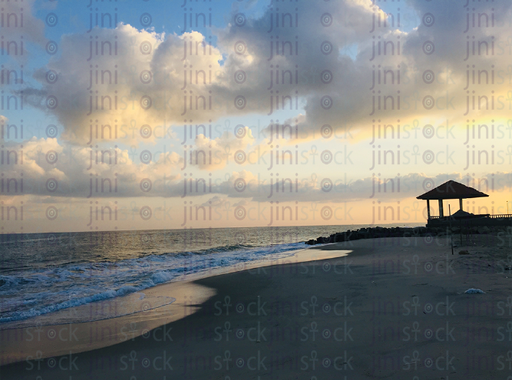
(449, 190)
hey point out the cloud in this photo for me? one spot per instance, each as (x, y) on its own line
(178, 73)
(409, 82)
(122, 77)
(133, 77)
(65, 170)
(129, 82)
(20, 25)
(49, 168)
(138, 79)
(213, 154)
(293, 188)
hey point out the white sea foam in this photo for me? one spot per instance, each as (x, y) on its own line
(31, 293)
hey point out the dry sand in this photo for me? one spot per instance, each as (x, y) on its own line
(393, 308)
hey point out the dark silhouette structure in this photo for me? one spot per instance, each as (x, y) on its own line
(456, 190)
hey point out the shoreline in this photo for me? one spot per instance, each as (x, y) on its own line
(83, 336)
(352, 316)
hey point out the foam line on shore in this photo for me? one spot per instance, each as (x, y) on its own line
(84, 336)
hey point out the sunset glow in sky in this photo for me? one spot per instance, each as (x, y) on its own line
(162, 115)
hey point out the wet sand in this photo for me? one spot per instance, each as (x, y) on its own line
(105, 323)
(393, 308)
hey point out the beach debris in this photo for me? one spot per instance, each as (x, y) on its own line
(474, 291)
(464, 252)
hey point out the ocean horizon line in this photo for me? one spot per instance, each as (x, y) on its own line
(409, 224)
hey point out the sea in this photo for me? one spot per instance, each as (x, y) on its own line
(48, 272)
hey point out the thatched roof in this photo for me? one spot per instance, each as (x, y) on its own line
(452, 190)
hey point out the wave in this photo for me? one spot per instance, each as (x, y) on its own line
(35, 292)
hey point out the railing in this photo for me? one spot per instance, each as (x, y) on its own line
(501, 216)
(496, 216)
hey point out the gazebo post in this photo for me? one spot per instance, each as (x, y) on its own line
(441, 213)
(428, 208)
(460, 203)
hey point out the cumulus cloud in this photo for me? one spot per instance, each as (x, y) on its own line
(20, 25)
(294, 188)
(64, 170)
(132, 81)
(212, 154)
(410, 81)
(136, 78)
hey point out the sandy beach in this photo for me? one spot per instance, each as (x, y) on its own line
(392, 308)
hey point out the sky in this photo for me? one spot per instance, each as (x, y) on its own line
(126, 114)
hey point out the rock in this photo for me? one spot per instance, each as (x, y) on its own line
(374, 232)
